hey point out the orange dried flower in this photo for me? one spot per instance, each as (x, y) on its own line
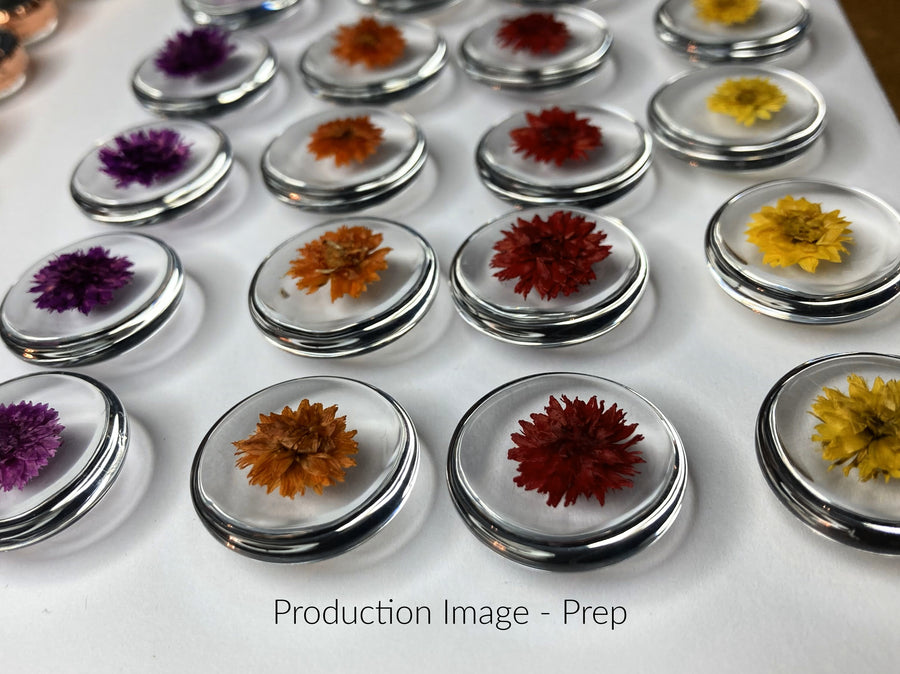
(374, 44)
(298, 449)
(349, 257)
(346, 140)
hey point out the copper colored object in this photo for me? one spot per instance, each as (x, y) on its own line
(30, 20)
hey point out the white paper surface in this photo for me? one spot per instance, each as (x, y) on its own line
(738, 585)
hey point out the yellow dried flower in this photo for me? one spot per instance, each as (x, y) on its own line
(747, 99)
(861, 429)
(796, 231)
(727, 12)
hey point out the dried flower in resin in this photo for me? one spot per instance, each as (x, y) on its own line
(368, 42)
(296, 450)
(796, 231)
(747, 99)
(349, 258)
(726, 12)
(145, 157)
(194, 53)
(537, 32)
(80, 280)
(861, 428)
(30, 434)
(576, 449)
(346, 140)
(555, 135)
(551, 256)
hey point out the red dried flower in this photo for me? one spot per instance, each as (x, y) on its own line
(552, 256)
(555, 135)
(538, 33)
(374, 44)
(350, 139)
(581, 449)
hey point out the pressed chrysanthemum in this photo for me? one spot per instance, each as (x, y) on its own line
(576, 449)
(796, 231)
(727, 12)
(551, 256)
(296, 450)
(193, 53)
(346, 140)
(145, 157)
(557, 136)
(30, 434)
(349, 258)
(80, 280)
(537, 32)
(369, 42)
(747, 99)
(861, 428)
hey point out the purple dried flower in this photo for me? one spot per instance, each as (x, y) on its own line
(201, 50)
(29, 438)
(80, 280)
(145, 157)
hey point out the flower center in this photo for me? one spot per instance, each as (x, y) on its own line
(746, 97)
(367, 39)
(347, 133)
(302, 441)
(338, 256)
(877, 426)
(556, 135)
(801, 227)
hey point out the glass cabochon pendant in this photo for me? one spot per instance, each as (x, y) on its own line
(607, 172)
(835, 503)
(119, 194)
(681, 120)
(94, 441)
(247, 70)
(313, 324)
(65, 336)
(314, 526)
(406, 6)
(234, 14)
(497, 308)
(776, 27)
(295, 175)
(852, 278)
(518, 523)
(422, 60)
(582, 48)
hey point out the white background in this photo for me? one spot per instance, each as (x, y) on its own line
(738, 585)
